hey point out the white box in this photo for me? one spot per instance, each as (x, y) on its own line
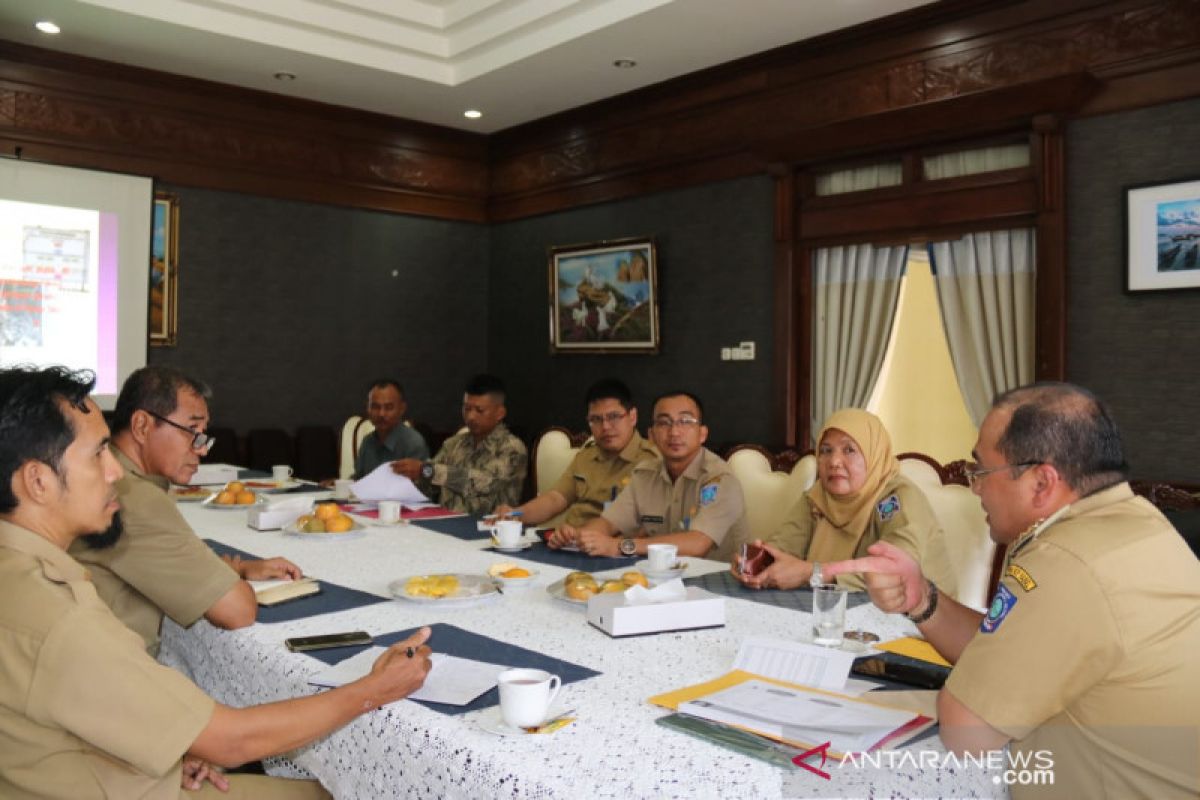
(265, 518)
(701, 609)
(211, 474)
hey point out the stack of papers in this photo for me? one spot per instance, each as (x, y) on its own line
(384, 484)
(269, 593)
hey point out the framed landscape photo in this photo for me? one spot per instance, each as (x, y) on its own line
(604, 297)
(1163, 236)
(164, 270)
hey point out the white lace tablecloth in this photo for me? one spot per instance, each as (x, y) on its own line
(613, 750)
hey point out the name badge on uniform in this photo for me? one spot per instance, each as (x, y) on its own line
(1022, 577)
(888, 507)
(708, 494)
(1002, 603)
(650, 518)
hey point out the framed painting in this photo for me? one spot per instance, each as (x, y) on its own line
(164, 270)
(1163, 236)
(604, 297)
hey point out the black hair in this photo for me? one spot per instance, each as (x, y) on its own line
(384, 383)
(610, 389)
(681, 393)
(153, 389)
(489, 385)
(34, 426)
(1068, 427)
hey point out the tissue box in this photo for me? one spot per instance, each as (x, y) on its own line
(701, 609)
(211, 474)
(266, 518)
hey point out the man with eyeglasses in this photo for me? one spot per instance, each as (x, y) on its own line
(1088, 651)
(601, 468)
(690, 498)
(159, 565)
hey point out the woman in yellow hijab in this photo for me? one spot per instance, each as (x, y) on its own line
(859, 498)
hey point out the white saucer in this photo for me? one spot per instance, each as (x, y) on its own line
(517, 549)
(661, 575)
(492, 721)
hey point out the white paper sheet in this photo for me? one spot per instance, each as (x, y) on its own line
(800, 715)
(795, 662)
(452, 680)
(384, 484)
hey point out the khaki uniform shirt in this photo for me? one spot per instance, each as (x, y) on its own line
(84, 711)
(159, 565)
(1090, 649)
(706, 498)
(595, 477)
(902, 517)
(476, 478)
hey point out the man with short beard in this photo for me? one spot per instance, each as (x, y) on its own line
(84, 711)
(160, 566)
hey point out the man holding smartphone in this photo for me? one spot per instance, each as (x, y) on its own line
(88, 713)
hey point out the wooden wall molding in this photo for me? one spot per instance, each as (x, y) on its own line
(859, 88)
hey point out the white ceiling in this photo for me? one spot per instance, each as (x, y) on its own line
(429, 60)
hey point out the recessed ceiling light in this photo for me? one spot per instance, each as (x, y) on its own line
(46, 26)
(471, 113)
(285, 76)
(624, 63)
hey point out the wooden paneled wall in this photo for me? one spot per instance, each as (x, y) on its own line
(873, 87)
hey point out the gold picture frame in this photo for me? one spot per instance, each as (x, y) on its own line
(604, 297)
(164, 271)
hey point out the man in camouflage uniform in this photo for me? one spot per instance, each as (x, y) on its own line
(480, 468)
(601, 468)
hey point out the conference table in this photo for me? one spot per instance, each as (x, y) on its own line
(613, 749)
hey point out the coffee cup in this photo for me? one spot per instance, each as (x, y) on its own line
(526, 695)
(509, 532)
(661, 557)
(341, 489)
(281, 473)
(389, 511)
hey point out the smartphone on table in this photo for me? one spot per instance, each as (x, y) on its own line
(300, 644)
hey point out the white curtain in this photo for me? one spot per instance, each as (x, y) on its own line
(859, 179)
(972, 162)
(856, 289)
(985, 286)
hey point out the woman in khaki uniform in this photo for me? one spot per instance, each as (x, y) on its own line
(859, 498)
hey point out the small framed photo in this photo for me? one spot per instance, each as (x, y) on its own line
(604, 297)
(1163, 236)
(164, 270)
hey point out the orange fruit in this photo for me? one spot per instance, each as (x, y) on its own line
(235, 486)
(326, 511)
(226, 498)
(516, 572)
(338, 524)
(244, 498)
(633, 578)
(578, 590)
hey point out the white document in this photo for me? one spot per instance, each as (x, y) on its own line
(795, 662)
(452, 680)
(383, 484)
(799, 715)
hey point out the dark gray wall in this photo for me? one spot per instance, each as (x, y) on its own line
(714, 247)
(289, 309)
(1140, 351)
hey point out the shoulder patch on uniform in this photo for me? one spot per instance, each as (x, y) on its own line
(1022, 577)
(708, 494)
(1002, 603)
(888, 507)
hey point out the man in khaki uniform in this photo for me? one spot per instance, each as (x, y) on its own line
(1087, 656)
(159, 565)
(691, 499)
(481, 468)
(601, 468)
(85, 712)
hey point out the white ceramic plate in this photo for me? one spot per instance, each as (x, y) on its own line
(211, 503)
(197, 495)
(357, 531)
(471, 588)
(270, 485)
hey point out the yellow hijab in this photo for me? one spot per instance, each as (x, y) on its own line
(851, 513)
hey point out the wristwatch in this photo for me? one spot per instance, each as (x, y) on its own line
(427, 471)
(627, 546)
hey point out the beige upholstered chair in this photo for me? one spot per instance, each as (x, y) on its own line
(552, 453)
(354, 431)
(971, 549)
(769, 492)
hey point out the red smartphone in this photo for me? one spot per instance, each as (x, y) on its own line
(753, 559)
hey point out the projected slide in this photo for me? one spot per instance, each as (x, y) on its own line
(58, 274)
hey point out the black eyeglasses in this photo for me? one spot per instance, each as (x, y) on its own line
(612, 418)
(684, 424)
(975, 474)
(200, 441)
